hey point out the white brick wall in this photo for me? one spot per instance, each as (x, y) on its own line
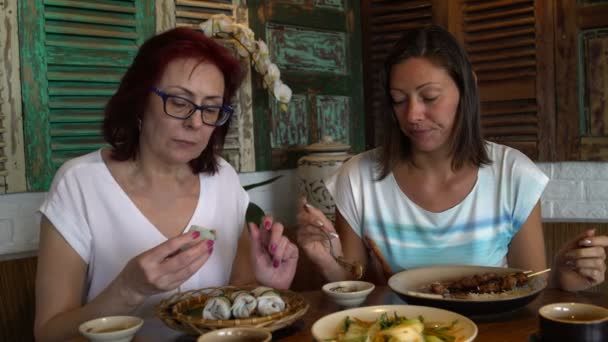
(578, 191)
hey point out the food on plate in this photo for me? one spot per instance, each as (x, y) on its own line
(262, 301)
(479, 284)
(395, 328)
(243, 304)
(269, 301)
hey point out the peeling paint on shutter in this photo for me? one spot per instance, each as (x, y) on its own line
(74, 54)
(12, 164)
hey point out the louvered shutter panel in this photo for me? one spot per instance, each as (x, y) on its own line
(501, 38)
(238, 146)
(388, 20)
(74, 54)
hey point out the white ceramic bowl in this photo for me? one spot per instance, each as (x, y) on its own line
(111, 328)
(237, 334)
(348, 293)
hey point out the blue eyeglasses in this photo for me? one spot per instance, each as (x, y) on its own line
(181, 108)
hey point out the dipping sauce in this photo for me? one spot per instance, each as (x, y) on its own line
(111, 329)
(344, 289)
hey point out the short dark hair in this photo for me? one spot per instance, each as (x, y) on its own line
(126, 106)
(440, 47)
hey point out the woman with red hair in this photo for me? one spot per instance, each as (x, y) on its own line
(114, 236)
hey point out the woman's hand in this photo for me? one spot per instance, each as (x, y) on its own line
(274, 257)
(311, 225)
(581, 263)
(165, 266)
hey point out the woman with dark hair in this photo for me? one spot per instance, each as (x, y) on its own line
(436, 192)
(114, 231)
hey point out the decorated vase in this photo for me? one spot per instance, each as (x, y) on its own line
(323, 159)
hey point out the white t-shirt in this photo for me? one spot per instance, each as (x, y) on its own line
(477, 231)
(101, 223)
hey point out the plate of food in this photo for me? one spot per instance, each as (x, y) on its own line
(399, 323)
(470, 290)
(198, 311)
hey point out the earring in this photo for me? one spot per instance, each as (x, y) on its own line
(139, 124)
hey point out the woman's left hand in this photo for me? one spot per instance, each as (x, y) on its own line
(275, 258)
(581, 263)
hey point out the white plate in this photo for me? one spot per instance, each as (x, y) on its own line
(409, 285)
(326, 327)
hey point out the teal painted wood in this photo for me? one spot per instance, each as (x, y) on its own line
(35, 97)
(333, 117)
(593, 79)
(291, 126)
(302, 49)
(145, 20)
(333, 4)
(344, 79)
(83, 49)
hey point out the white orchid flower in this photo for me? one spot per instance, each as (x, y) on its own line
(207, 27)
(242, 51)
(248, 47)
(281, 92)
(273, 72)
(262, 49)
(261, 64)
(225, 25)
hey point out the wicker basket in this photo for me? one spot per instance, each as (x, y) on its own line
(175, 311)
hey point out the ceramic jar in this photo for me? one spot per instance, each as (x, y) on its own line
(323, 159)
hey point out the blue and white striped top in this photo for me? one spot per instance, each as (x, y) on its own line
(477, 231)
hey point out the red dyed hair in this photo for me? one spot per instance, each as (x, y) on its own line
(127, 105)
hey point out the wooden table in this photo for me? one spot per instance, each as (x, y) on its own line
(513, 326)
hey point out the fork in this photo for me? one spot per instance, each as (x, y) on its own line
(354, 268)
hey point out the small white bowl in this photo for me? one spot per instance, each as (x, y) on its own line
(111, 328)
(348, 293)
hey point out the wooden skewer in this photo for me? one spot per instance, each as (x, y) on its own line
(537, 273)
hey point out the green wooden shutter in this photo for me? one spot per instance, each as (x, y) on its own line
(73, 54)
(317, 47)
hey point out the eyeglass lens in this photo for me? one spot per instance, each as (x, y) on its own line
(182, 108)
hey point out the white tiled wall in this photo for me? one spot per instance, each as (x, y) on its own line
(578, 191)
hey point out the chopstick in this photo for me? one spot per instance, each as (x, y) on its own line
(536, 273)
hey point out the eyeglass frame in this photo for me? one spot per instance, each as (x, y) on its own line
(223, 108)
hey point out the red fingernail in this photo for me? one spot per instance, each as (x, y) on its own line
(210, 243)
(196, 234)
(275, 264)
(273, 248)
(267, 224)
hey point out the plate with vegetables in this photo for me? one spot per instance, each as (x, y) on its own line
(394, 323)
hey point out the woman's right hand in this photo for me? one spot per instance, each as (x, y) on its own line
(311, 225)
(164, 267)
